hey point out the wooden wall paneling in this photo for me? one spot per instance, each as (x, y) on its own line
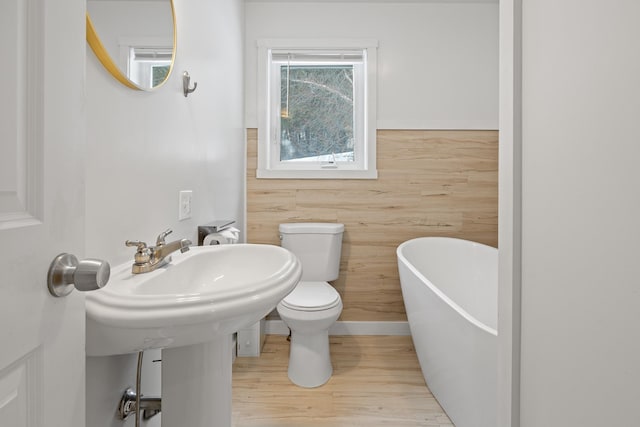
(430, 183)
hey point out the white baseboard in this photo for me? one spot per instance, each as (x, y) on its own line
(277, 327)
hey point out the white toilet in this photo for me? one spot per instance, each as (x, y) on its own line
(314, 305)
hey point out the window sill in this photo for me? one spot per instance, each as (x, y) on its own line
(316, 174)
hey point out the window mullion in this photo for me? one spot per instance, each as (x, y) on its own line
(274, 117)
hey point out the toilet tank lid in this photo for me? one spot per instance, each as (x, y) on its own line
(312, 227)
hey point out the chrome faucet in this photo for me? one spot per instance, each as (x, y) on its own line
(149, 258)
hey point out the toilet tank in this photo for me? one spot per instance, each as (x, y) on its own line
(318, 246)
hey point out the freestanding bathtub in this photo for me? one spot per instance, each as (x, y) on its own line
(450, 292)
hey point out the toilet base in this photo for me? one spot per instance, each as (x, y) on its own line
(309, 359)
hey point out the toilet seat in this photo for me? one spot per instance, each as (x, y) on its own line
(312, 296)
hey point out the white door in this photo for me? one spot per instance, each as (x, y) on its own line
(42, 130)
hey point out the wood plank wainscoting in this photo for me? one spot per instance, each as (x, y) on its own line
(430, 183)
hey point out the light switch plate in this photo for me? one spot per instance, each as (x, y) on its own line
(184, 204)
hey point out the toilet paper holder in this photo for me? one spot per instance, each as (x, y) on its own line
(213, 227)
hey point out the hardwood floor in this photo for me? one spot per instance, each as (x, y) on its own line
(376, 382)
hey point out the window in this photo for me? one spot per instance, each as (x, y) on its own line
(149, 67)
(146, 60)
(318, 110)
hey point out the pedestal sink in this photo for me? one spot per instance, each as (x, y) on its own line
(189, 308)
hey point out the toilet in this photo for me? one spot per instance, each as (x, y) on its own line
(314, 305)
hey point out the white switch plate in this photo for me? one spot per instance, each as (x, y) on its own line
(184, 204)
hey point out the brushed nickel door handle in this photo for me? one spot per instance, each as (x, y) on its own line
(65, 273)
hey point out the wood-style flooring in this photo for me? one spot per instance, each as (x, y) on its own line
(376, 382)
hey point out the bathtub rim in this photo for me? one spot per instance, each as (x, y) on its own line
(435, 289)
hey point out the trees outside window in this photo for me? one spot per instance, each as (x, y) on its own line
(319, 105)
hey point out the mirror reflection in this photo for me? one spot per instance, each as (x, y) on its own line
(134, 39)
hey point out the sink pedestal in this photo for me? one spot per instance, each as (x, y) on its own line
(196, 384)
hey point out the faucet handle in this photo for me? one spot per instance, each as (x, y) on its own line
(161, 236)
(143, 255)
(141, 245)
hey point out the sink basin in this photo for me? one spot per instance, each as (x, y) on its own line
(203, 294)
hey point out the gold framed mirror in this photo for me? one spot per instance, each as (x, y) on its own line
(135, 40)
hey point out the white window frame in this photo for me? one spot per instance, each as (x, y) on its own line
(269, 164)
(139, 72)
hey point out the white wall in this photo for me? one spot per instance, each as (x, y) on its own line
(437, 61)
(580, 212)
(144, 147)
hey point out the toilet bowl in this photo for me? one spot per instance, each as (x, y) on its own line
(309, 357)
(314, 305)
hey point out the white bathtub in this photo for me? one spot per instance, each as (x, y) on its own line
(450, 291)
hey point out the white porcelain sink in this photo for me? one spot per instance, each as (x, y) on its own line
(203, 294)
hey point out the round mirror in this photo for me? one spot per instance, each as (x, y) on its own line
(135, 40)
